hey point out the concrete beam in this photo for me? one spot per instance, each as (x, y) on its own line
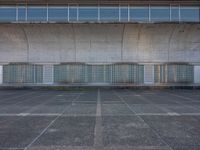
(100, 43)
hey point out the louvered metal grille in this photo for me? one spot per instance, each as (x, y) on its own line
(109, 73)
(22, 73)
(177, 73)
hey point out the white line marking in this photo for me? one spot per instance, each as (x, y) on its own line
(38, 106)
(11, 98)
(98, 139)
(142, 120)
(12, 148)
(154, 104)
(51, 123)
(108, 114)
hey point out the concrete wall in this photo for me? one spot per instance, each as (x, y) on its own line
(1, 74)
(196, 74)
(93, 43)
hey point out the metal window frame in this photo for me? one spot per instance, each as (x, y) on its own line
(87, 8)
(59, 7)
(11, 6)
(189, 7)
(73, 5)
(36, 7)
(168, 7)
(77, 7)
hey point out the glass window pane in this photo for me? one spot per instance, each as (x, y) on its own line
(21, 13)
(109, 13)
(174, 13)
(37, 13)
(124, 14)
(7, 14)
(88, 13)
(139, 14)
(160, 14)
(190, 14)
(73, 13)
(58, 14)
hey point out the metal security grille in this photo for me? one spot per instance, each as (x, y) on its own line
(22, 73)
(98, 74)
(174, 73)
(104, 73)
(69, 73)
(127, 73)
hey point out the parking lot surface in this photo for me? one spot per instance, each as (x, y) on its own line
(100, 119)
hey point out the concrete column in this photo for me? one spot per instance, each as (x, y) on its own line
(48, 74)
(196, 74)
(1, 74)
(148, 74)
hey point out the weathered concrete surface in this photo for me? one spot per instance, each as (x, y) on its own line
(103, 119)
(1, 74)
(54, 43)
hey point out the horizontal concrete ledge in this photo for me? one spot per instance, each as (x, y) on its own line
(98, 22)
(94, 86)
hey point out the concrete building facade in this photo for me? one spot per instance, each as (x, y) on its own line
(126, 42)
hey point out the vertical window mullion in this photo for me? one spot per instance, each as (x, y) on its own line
(199, 13)
(128, 13)
(77, 6)
(170, 10)
(98, 12)
(47, 12)
(119, 12)
(26, 11)
(149, 13)
(179, 13)
(68, 13)
(17, 13)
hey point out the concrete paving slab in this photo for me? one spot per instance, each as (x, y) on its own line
(115, 109)
(69, 131)
(181, 109)
(22, 131)
(134, 100)
(180, 132)
(128, 131)
(81, 110)
(111, 119)
(146, 108)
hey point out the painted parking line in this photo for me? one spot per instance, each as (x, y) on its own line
(50, 124)
(12, 98)
(98, 137)
(183, 97)
(136, 148)
(46, 101)
(10, 148)
(154, 104)
(93, 115)
(12, 105)
(167, 145)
